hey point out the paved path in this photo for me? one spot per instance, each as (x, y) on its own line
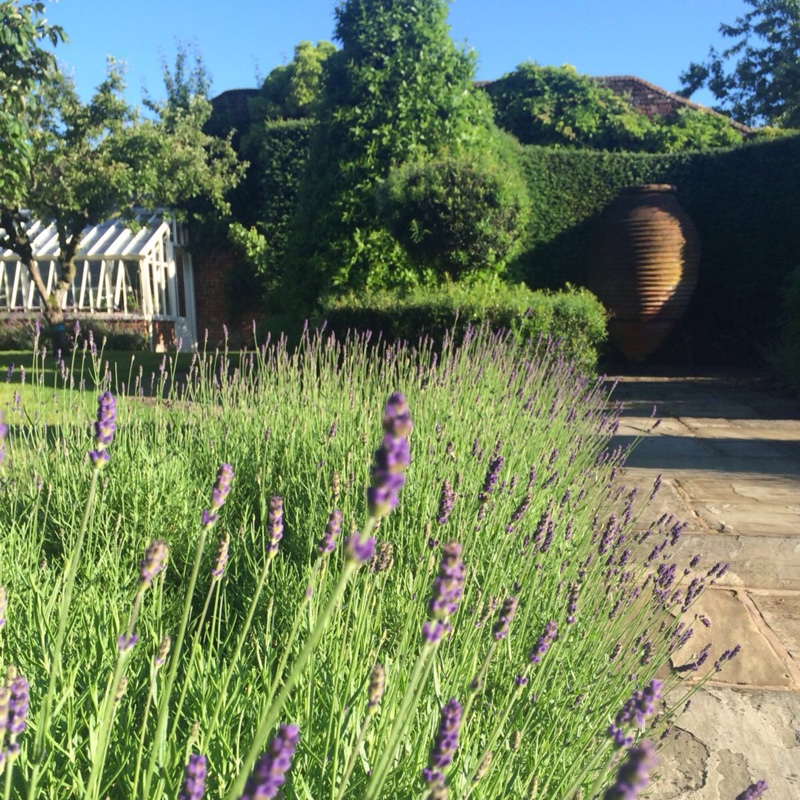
(729, 452)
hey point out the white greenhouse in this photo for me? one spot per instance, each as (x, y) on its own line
(142, 276)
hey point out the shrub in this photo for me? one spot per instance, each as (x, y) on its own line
(16, 333)
(399, 88)
(558, 107)
(457, 214)
(574, 316)
(742, 200)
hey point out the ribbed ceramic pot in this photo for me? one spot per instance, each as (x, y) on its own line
(643, 267)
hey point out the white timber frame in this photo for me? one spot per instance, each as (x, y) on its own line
(143, 272)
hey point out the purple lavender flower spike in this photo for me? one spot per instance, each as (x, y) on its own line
(572, 607)
(3, 434)
(3, 605)
(492, 473)
(633, 774)
(753, 791)
(446, 502)
(194, 782)
(221, 556)
(448, 587)
(545, 640)
(17, 705)
(160, 657)
(104, 429)
(270, 770)
(155, 558)
(507, 612)
(222, 487)
(126, 642)
(391, 458)
(445, 743)
(274, 526)
(728, 655)
(375, 690)
(332, 531)
(358, 549)
(637, 708)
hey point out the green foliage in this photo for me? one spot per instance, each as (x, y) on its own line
(785, 356)
(690, 129)
(98, 160)
(398, 90)
(743, 202)
(24, 65)
(574, 316)
(277, 151)
(271, 634)
(756, 79)
(293, 91)
(558, 107)
(457, 215)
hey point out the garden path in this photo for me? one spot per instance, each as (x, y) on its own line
(729, 451)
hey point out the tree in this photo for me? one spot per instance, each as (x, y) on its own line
(82, 163)
(397, 90)
(757, 79)
(23, 64)
(292, 91)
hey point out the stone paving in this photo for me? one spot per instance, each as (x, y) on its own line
(729, 452)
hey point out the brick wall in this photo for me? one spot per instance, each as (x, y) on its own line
(212, 301)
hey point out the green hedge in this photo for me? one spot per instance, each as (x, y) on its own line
(573, 316)
(745, 205)
(744, 202)
(277, 151)
(785, 357)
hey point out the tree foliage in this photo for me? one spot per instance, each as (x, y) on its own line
(24, 63)
(757, 79)
(558, 107)
(83, 163)
(293, 90)
(397, 90)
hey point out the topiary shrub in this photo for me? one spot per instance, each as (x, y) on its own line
(573, 316)
(457, 215)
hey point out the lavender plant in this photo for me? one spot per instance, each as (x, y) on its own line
(524, 583)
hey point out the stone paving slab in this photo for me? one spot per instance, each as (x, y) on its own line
(730, 457)
(768, 491)
(728, 739)
(764, 562)
(749, 519)
(782, 614)
(758, 663)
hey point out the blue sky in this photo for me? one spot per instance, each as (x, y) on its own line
(239, 40)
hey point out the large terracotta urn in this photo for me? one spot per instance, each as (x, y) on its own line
(643, 267)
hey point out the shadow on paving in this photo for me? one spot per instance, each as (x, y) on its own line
(669, 453)
(730, 396)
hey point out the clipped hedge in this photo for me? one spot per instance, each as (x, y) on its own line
(573, 316)
(785, 357)
(743, 201)
(278, 152)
